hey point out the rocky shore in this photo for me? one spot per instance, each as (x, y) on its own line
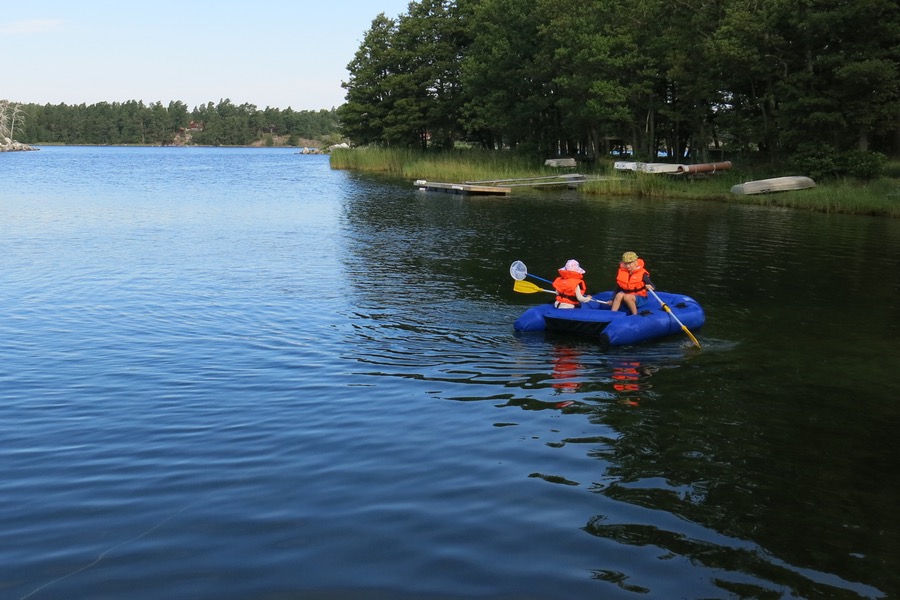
(8, 145)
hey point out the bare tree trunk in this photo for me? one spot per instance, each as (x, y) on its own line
(4, 120)
(651, 133)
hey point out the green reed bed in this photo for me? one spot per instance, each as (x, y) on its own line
(474, 165)
(452, 167)
(382, 160)
(655, 185)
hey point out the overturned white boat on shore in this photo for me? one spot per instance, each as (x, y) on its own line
(775, 184)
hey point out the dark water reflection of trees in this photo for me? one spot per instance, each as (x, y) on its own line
(779, 436)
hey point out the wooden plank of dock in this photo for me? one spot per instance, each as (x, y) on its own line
(564, 178)
(490, 187)
(571, 180)
(462, 188)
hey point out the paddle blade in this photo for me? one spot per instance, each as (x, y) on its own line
(691, 335)
(518, 270)
(526, 287)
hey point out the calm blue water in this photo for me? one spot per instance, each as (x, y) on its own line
(236, 373)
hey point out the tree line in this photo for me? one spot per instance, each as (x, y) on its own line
(134, 122)
(811, 79)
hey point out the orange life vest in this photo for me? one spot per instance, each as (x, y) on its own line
(632, 282)
(566, 284)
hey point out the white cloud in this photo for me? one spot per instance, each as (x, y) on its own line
(30, 26)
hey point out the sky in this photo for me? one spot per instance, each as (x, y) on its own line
(270, 53)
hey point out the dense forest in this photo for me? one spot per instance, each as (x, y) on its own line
(810, 79)
(133, 122)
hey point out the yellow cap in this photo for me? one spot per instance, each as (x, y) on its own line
(629, 257)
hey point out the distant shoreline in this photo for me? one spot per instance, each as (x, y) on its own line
(319, 149)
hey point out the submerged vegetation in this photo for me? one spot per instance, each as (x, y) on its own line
(877, 197)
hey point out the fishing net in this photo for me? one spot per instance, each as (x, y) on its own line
(518, 270)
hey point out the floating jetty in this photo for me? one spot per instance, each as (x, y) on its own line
(498, 187)
(566, 179)
(462, 188)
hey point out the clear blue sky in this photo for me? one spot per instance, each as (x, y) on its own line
(276, 53)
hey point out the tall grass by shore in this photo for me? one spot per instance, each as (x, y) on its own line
(452, 166)
(879, 197)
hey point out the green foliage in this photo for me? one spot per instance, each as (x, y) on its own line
(564, 77)
(892, 169)
(817, 162)
(824, 162)
(404, 79)
(369, 96)
(133, 122)
(504, 84)
(864, 165)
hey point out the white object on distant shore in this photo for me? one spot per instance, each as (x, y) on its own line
(654, 167)
(775, 184)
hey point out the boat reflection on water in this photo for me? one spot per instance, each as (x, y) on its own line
(582, 376)
(628, 380)
(628, 376)
(566, 369)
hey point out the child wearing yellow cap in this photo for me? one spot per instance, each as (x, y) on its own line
(632, 283)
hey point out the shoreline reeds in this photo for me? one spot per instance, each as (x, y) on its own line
(879, 197)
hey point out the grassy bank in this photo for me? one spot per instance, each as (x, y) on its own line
(455, 166)
(880, 197)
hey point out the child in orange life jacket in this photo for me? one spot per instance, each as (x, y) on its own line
(632, 283)
(570, 286)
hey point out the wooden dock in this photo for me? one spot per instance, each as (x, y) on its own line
(502, 187)
(462, 188)
(568, 179)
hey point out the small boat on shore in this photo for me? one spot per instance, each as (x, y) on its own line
(616, 328)
(775, 184)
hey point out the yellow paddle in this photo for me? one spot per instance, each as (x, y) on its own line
(526, 287)
(677, 320)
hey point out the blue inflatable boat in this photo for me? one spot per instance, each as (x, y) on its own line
(616, 328)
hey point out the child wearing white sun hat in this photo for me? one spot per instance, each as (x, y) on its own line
(570, 286)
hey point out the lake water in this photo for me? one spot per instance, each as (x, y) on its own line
(239, 374)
